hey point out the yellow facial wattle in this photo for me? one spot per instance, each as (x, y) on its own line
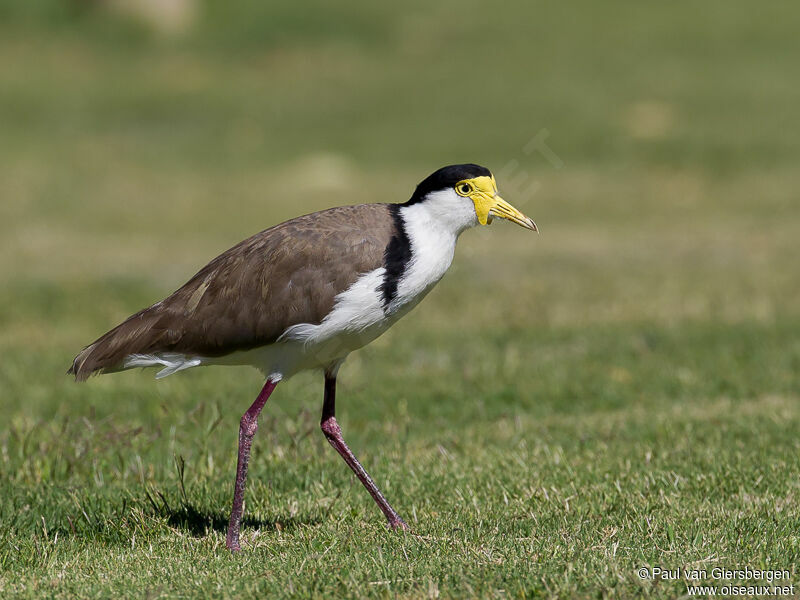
(483, 193)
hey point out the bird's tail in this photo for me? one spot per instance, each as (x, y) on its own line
(136, 335)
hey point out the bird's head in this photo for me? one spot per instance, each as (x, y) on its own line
(466, 195)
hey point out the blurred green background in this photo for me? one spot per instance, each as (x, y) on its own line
(653, 323)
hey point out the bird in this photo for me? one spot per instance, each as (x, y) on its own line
(303, 295)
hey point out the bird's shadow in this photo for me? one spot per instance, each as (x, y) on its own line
(198, 523)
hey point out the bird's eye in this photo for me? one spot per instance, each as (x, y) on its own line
(464, 188)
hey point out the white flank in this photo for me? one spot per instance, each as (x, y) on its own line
(356, 309)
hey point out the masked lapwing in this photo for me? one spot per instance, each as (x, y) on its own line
(303, 295)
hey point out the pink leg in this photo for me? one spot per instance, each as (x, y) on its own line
(333, 433)
(247, 429)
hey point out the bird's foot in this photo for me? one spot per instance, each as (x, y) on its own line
(397, 524)
(232, 543)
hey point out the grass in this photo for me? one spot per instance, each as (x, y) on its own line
(560, 411)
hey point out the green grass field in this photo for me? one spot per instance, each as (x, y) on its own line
(621, 391)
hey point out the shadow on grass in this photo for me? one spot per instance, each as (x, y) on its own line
(198, 523)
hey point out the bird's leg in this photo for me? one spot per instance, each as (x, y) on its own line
(333, 433)
(247, 429)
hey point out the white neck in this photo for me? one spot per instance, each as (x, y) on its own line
(432, 231)
(444, 211)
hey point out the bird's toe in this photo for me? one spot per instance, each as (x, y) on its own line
(399, 525)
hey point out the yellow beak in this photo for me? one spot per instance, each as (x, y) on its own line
(501, 208)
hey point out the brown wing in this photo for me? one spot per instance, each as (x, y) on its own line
(249, 295)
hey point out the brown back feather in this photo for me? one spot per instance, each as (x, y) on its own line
(248, 296)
